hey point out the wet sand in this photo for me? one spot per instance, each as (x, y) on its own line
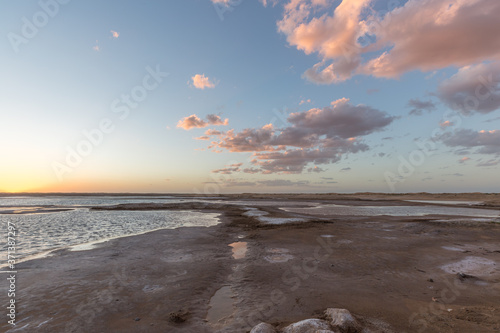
(394, 274)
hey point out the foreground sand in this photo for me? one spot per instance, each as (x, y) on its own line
(394, 274)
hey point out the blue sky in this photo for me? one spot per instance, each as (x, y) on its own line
(348, 122)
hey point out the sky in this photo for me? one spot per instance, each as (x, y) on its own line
(223, 96)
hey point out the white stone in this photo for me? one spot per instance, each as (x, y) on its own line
(263, 328)
(342, 320)
(308, 326)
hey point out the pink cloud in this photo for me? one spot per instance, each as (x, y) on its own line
(464, 159)
(193, 121)
(420, 35)
(434, 34)
(446, 123)
(315, 169)
(200, 81)
(115, 34)
(319, 136)
(222, 2)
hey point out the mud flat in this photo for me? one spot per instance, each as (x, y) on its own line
(393, 273)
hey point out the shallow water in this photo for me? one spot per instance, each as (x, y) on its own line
(239, 249)
(221, 305)
(394, 211)
(38, 233)
(85, 200)
(448, 202)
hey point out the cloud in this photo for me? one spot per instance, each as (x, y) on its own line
(418, 106)
(316, 169)
(115, 34)
(249, 139)
(96, 46)
(222, 2)
(463, 159)
(485, 142)
(226, 171)
(341, 119)
(488, 163)
(229, 170)
(319, 136)
(294, 161)
(329, 36)
(283, 182)
(345, 169)
(421, 35)
(305, 101)
(234, 183)
(473, 89)
(200, 81)
(492, 120)
(445, 124)
(193, 121)
(268, 183)
(251, 170)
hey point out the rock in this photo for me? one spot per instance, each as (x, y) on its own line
(342, 320)
(263, 328)
(308, 326)
(177, 317)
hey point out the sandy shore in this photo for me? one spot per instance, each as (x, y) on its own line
(394, 274)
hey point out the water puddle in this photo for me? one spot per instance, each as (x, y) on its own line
(254, 212)
(261, 216)
(239, 249)
(335, 210)
(87, 246)
(448, 202)
(221, 306)
(280, 220)
(452, 248)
